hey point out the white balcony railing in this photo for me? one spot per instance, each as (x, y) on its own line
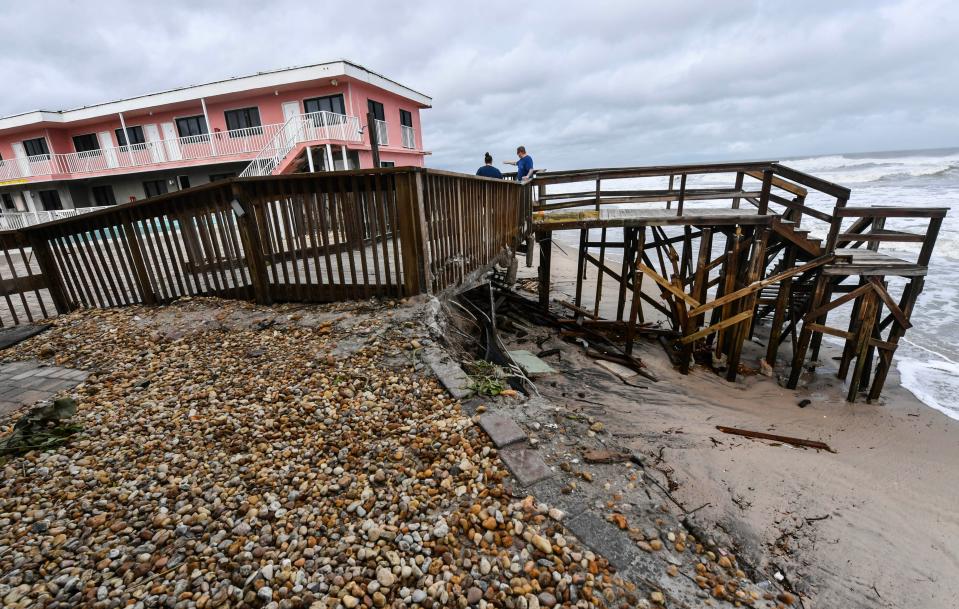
(302, 128)
(14, 220)
(245, 142)
(409, 137)
(382, 133)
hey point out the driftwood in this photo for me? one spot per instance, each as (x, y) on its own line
(769, 436)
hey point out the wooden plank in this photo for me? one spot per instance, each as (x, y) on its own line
(775, 438)
(726, 323)
(666, 285)
(780, 183)
(758, 285)
(891, 212)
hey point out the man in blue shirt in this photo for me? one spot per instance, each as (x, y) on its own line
(487, 170)
(524, 166)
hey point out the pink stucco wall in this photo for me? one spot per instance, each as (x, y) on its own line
(355, 93)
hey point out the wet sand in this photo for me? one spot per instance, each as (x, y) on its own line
(875, 524)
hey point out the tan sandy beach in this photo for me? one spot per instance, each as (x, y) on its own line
(873, 524)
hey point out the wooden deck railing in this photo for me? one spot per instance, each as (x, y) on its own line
(303, 238)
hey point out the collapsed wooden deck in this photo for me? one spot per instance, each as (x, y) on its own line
(725, 259)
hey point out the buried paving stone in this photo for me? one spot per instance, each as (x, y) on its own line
(502, 430)
(603, 538)
(449, 373)
(526, 465)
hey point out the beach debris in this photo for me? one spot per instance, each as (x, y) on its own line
(622, 372)
(804, 403)
(776, 438)
(764, 368)
(42, 427)
(597, 456)
(530, 364)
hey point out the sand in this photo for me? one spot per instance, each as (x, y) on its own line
(875, 524)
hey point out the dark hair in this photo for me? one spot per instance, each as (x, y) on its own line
(521, 149)
(488, 158)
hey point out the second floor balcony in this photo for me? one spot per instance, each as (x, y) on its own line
(220, 146)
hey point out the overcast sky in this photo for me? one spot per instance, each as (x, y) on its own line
(581, 84)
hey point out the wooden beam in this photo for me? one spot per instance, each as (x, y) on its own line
(758, 285)
(666, 285)
(732, 321)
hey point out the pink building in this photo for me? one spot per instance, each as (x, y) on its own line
(312, 118)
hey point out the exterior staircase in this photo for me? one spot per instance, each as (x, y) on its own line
(298, 132)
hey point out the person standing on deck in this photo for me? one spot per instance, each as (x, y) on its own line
(487, 170)
(524, 166)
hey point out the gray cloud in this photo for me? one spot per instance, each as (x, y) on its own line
(580, 84)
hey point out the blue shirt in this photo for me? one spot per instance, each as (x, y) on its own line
(523, 167)
(488, 171)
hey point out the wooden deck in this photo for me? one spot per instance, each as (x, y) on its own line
(857, 261)
(618, 218)
(736, 257)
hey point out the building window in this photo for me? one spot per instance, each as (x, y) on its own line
(50, 200)
(329, 103)
(376, 109)
(244, 118)
(86, 142)
(8, 204)
(216, 177)
(191, 125)
(387, 164)
(406, 118)
(103, 195)
(136, 135)
(36, 146)
(153, 188)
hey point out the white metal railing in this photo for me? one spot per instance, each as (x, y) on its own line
(302, 128)
(409, 137)
(24, 167)
(218, 144)
(382, 133)
(13, 220)
(236, 142)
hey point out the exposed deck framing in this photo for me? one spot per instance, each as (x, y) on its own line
(746, 256)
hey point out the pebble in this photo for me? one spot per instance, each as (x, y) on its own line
(280, 457)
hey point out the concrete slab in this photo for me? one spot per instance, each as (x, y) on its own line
(531, 365)
(451, 376)
(604, 538)
(526, 464)
(16, 334)
(502, 430)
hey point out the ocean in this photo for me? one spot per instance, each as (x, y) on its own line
(928, 355)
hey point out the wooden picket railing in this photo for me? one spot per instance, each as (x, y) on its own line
(324, 237)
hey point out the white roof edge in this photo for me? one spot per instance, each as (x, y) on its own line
(237, 84)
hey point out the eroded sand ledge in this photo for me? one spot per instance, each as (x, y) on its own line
(873, 525)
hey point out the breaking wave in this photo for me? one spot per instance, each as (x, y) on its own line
(861, 169)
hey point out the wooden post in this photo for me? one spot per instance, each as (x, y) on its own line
(252, 247)
(741, 330)
(139, 266)
(634, 307)
(738, 187)
(412, 229)
(782, 306)
(544, 241)
(764, 194)
(51, 275)
(799, 353)
(863, 334)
